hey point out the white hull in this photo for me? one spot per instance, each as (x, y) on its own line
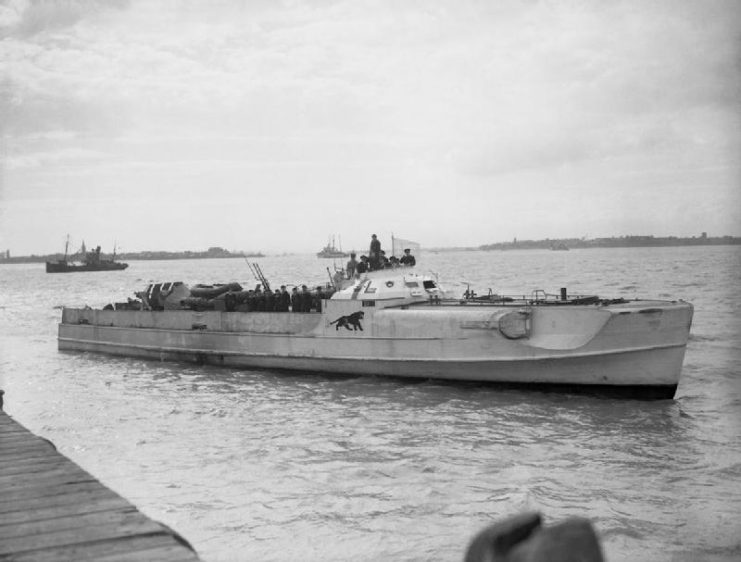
(639, 344)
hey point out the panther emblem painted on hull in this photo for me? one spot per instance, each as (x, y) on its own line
(351, 321)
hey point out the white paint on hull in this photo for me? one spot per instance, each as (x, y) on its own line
(634, 344)
(653, 366)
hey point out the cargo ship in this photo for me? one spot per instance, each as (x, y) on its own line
(91, 261)
(331, 251)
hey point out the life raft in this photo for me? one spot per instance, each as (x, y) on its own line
(213, 291)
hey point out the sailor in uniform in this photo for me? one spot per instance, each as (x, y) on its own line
(408, 259)
(374, 254)
(352, 266)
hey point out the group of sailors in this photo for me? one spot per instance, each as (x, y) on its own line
(280, 300)
(299, 299)
(376, 259)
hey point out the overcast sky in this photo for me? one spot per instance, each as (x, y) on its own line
(267, 125)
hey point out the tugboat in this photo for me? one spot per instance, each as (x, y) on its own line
(331, 251)
(398, 322)
(92, 261)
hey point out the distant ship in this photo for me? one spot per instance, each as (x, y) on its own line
(331, 251)
(92, 261)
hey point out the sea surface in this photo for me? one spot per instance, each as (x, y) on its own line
(256, 465)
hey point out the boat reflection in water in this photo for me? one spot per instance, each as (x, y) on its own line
(398, 322)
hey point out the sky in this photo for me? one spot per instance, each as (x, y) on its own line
(272, 125)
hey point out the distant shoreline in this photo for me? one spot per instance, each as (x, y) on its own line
(583, 243)
(546, 244)
(613, 242)
(211, 253)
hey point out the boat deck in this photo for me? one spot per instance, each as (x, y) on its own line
(51, 509)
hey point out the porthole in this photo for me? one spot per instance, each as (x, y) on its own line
(389, 284)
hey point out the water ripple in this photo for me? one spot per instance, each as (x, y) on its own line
(259, 465)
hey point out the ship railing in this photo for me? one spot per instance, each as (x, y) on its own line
(538, 297)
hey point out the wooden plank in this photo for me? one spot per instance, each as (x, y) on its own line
(91, 495)
(169, 553)
(38, 469)
(81, 535)
(27, 437)
(140, 547)
(74, 508)
(7, 439)
(30, 465)
(60, 476)
(9, 431)
(19, 441)
(125, 516)
(36, 449)
(32, 451)
(52, 509)
(47, 490)
(34, 461)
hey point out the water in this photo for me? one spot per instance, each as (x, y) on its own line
(265, 466)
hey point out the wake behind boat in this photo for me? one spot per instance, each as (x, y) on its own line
(398, 322)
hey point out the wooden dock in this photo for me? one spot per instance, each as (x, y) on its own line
(51, 510)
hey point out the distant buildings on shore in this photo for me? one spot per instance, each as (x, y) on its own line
(546, 244)
(211, 253)
(613, 242)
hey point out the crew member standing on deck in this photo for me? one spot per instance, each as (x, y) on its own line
(363, 266)
(295, 300)
(318, 296)
(269, 300)
(408, 259)
(374, 254)
(284, 300)
(352, 266)
(305, 299)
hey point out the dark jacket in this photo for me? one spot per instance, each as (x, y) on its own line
(408, 259)
(295, 302)
(284, 302)
(306, 301)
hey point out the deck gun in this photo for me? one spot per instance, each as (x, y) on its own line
(258, 274)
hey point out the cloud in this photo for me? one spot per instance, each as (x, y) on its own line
(26, 18)
(448, 108)
(67, 156)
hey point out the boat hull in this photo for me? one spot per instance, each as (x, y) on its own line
(62, 267)
(332, 255)
(628, 348)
